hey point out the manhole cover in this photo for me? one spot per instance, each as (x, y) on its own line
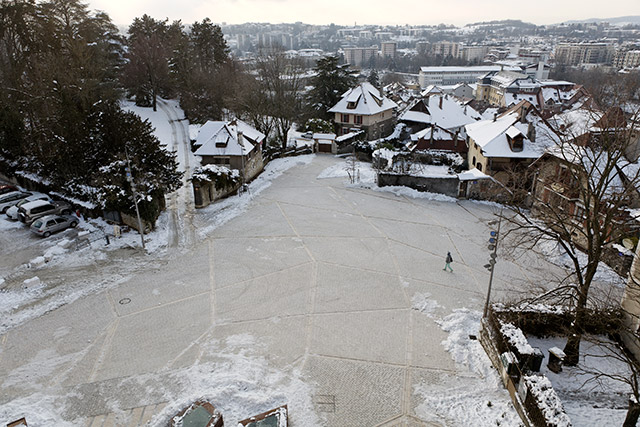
(125, 301)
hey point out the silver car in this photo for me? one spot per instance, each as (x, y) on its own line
(12, 212)
(49, 224)
(9, 199)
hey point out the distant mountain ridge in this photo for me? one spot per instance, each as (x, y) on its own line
(620, 20)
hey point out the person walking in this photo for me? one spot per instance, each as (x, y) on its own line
(448, 262)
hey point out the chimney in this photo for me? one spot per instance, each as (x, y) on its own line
(495, 116)
(440, 102)
(531, 133)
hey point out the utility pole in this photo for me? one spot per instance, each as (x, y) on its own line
(135, 197)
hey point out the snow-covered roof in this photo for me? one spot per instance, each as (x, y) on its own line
(437, 132)
(211, 128)
(450, 114)
(491, 136)
(365, 99)
(430, 90)
(349, 135)
(222, 139)
(325, 136)
(472, 175)
(470, 69)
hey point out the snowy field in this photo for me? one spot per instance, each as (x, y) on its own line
(308, 290)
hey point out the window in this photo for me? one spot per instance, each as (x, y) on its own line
(479, 166)
(345, 118)
(357, 120)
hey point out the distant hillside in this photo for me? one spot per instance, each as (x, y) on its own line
(620, 20)
(504, 23)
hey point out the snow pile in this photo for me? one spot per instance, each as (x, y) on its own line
(472, 396)
(239, 384)
(464, 351)
(402, 191)
(547, 399)
(424, 304)
(516, 338)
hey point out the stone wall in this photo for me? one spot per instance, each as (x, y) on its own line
(444, 185)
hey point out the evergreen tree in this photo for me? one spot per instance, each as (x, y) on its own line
(329, 83)
(373, 78)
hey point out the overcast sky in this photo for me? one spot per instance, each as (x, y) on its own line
(348, 12)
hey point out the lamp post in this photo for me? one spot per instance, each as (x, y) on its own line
(135, 197)
(493, 247)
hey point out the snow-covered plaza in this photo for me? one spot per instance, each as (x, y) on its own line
(309, 291)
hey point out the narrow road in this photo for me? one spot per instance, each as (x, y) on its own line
(180, 205)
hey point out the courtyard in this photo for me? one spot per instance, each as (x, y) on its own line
(323, 295)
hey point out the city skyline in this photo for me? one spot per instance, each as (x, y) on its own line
(373, 12)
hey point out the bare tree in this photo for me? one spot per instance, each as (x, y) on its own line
(281, 80)
(582, 189)
(606, 361)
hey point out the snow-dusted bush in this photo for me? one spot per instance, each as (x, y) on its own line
(221, 176)
(547, 400)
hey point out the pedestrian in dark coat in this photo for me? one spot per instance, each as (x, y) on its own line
(448, 262)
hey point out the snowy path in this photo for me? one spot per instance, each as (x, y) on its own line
(180, 206)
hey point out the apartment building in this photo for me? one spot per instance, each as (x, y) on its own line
(627, 59)
(359, 56)
(446, 48)
(388, 49)
(583, 53)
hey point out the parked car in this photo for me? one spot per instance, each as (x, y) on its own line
(12, 212)
(9, 199)
(5, 188)
(31, 211)
(49, 224)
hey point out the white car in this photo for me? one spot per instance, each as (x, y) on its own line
(9, 199)
(12, 212)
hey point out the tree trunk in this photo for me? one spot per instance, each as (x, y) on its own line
(153, 100)
(572, 347)
(632, 413)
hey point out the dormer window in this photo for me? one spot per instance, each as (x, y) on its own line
(351, 105)
(515, 139)
(516, 143)
(222, 144)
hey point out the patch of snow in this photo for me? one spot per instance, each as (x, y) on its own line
(516, 338)
(424, 304)
(474, 396)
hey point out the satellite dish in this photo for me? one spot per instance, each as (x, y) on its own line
(628, 243)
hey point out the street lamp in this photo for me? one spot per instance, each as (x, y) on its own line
(493, 247)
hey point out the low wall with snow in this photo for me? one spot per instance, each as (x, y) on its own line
(442, 185)
(531, 393)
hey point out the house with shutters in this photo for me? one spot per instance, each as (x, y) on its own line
(364, 108)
